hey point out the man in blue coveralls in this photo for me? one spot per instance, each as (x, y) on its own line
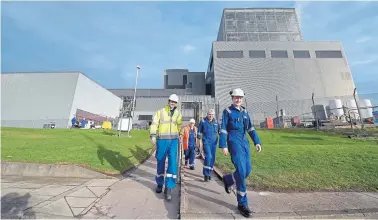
(208, 130)
(235, 124)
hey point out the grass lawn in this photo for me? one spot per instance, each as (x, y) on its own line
(306, 160)
(95, 149)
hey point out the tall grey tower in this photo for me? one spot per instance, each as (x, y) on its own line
(259, 24)
(261, 51)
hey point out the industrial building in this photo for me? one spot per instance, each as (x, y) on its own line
(42, 99)
(260, 50)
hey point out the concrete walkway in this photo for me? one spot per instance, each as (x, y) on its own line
(50, 197)
(209, 200)
(134, 198)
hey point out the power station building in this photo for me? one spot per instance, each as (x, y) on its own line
(37, 100)
(261, 51)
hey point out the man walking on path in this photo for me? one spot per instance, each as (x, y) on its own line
(208, 131)
(189, 142)
(235, 123)
(164, 133)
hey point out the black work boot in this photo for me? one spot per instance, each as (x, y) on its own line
(245, 211)
(226, 187)
(209, 178)
(206, 179)
(192, 168)
(159, 189)
(168, 194)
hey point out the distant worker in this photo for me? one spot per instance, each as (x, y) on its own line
(208, 130)
(73, 121)
(164, 133)
(235, 123)
(189, 141)
(83, 123)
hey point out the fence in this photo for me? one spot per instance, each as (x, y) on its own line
(353, 111)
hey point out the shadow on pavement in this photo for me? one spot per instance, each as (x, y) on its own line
(187, 183)
(147, 179)
(13, 206)
(210, 199)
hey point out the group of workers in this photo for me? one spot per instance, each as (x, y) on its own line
(166, 132)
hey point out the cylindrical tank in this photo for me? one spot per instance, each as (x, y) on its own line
(336, 107)
(366, 108)
(352, 107)
(283, 112)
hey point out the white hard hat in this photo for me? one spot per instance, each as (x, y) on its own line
(174, 98)
(192, 121)
(237, 92)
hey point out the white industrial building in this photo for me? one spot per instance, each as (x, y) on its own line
(37, 99)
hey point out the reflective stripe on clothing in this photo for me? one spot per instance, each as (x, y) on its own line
(241, 193)
(207, 167)
(171, 175)
(165, 126)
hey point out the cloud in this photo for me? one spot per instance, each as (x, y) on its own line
(363, 39)
(188, 48)
(364, 62)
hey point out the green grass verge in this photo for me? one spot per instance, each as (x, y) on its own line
(305, 160)
(95, 149)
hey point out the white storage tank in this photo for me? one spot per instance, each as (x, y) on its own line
(366, 108)
(336, 107)
(352, 107)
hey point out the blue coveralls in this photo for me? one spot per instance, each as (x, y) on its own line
(83, 123)
(235, 124)
(190, 152)
(208, 132)
(164, 148)
(73, 121)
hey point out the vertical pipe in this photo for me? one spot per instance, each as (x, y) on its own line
(316, 117)
(358, 108)
(133, 106)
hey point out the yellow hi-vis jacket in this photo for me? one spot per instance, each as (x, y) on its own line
(164, 126)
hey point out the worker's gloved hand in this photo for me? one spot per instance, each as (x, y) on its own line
(153, 140)
(225, 151)
(258, 147)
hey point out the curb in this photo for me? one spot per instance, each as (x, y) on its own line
(182, 194)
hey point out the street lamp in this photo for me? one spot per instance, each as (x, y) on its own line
(133, 106)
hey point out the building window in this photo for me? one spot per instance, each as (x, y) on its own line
(328, 54)
(257, 54)
(185, 79)
(301, 54)
(279, 54)
(230, 54)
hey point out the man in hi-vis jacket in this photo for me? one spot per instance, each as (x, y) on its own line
(164, 133)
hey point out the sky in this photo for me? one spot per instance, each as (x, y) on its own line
(107, 40)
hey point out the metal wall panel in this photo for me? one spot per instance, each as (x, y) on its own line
(292, 79)
(33, 99)
(93, 98)
(147, 92)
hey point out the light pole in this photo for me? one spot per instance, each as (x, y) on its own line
(133, 106)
